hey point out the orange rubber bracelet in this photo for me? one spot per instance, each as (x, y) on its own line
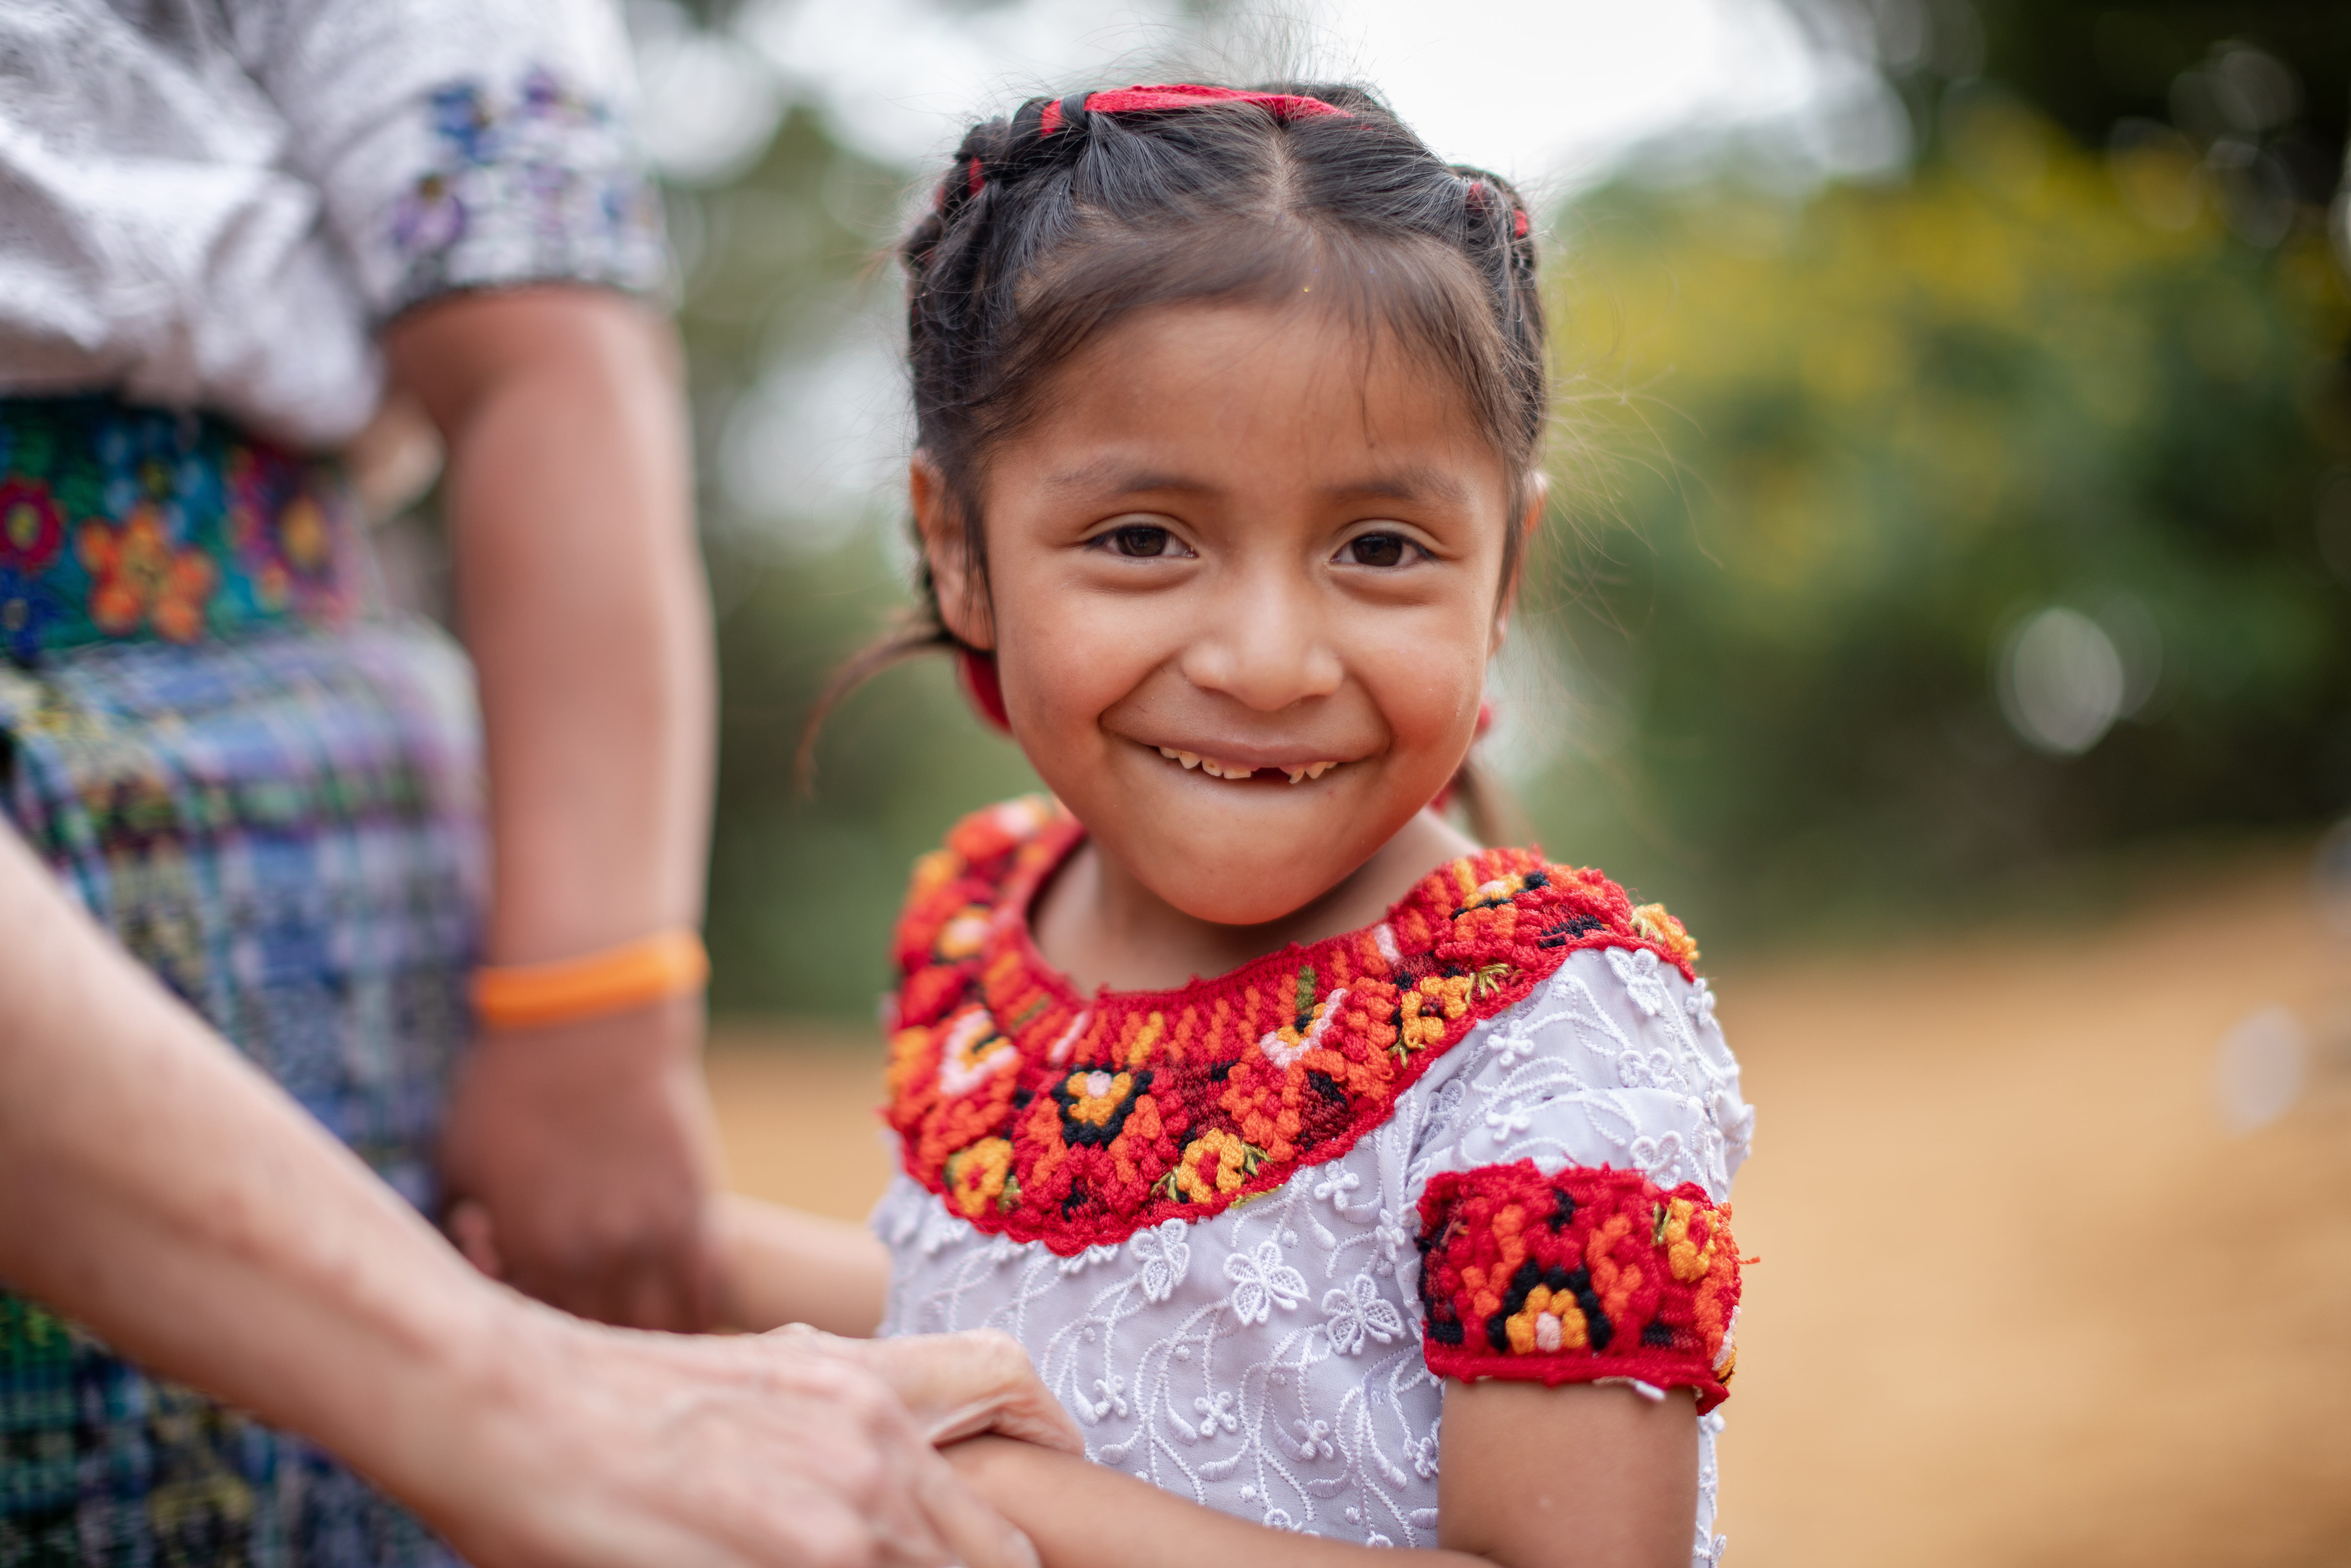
(533, 996)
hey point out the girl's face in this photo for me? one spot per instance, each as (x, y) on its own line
(1243, 582)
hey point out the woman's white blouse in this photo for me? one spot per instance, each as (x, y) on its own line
(1268, 1361)
(215, 203)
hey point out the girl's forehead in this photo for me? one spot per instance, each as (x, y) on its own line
(1232, 384)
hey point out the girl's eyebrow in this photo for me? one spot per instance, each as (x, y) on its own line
(1414, 483)
(1417, 483)
(1109, 477)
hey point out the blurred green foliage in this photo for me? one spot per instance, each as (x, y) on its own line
(1861, 437)
(1826, 451)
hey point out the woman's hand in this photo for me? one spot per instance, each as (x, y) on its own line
(959, 1386)
(577, 1158)
(573, 1446)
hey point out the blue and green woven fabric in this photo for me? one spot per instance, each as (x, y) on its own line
(278, 813)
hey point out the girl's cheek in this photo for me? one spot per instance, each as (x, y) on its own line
(1427, 688)
(1081, 664)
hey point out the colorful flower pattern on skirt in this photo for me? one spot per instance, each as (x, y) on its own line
(1578, 1276)
(119, 523)
(1040, 1113)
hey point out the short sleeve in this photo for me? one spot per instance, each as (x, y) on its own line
(1571, 1186)
(463, 143)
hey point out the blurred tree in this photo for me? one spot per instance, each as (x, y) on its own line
(1903, 422)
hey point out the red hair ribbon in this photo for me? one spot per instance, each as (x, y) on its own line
(1141, 99)
(978, 668)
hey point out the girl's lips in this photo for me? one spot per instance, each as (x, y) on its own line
(1216, 768)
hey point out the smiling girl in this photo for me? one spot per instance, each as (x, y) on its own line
(1229, 407)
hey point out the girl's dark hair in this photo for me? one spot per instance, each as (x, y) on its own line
(1055, 221)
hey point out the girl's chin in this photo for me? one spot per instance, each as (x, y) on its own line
(1229, 886)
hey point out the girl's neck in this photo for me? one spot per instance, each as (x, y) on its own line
(1100, 925)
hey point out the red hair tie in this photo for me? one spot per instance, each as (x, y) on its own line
(1141, 99)
(977, 668)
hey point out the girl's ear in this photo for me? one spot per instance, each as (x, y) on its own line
(946, 549)
(1527, 522)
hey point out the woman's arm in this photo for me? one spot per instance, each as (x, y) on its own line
(778, 1266)
(156, 1187)
(1575, 1476)
(583, 602)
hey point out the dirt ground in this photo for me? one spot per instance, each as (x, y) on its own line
(2022, 1299)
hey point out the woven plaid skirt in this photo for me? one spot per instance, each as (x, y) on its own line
(271, 796)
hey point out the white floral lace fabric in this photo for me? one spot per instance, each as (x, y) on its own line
(1267, 1361)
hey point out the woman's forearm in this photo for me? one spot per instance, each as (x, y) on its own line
(1084, 1515)
(582, 598)
(579, 1154)
(157, 1187)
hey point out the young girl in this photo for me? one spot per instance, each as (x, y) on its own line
(1229, 407)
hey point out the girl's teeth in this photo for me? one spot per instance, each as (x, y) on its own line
(1213, 770)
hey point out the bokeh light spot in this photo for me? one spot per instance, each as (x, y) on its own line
(2061, 681)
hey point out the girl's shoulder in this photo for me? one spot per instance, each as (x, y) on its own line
(1040, 1113)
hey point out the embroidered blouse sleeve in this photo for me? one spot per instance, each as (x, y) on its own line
(462, 143)
(1571, 1183)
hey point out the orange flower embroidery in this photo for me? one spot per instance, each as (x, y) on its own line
(138, 578)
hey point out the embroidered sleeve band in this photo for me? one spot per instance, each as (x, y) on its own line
(1577, 1277)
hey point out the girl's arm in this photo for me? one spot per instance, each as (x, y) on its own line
(778, 1266)
(1575, 1476)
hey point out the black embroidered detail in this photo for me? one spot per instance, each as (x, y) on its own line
(1076, 1129)
(1566, 931)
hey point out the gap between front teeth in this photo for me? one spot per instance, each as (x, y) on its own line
(1213, 770)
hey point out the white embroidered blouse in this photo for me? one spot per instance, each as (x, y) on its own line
(1268, 1361)
(215, 203)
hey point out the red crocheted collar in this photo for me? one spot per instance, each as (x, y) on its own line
(1043, 1112)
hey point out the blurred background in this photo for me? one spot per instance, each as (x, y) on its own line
(1947, 611)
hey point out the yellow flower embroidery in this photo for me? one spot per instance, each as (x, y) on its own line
(1235, 1163)
(1651, 921)
(982, 1175)
(1094, 1095)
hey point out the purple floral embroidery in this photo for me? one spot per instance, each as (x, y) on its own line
(539, 183)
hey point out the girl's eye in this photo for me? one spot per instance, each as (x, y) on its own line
(1378, 549)
(1140, 541)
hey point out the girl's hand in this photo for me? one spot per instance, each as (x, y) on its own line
(779, 1266)
(574, 1445)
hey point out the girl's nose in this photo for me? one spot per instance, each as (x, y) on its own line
(1264, 646)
